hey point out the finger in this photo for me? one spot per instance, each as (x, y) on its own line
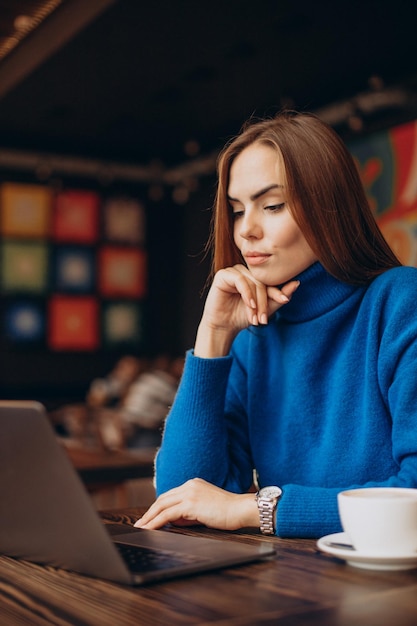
(185, 522)
(164, 502)
(278, 298)
(155, 517)
(258, 311)
(283, 296)
(245, 286)
(242, 283)
(165, 517)
(289, 288)
(176, 513)
(262, 304)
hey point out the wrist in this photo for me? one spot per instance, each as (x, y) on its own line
(249, 512)
(212, 343)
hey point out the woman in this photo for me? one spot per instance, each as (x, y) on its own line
(304, 363)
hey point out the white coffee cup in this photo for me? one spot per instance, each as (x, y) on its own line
(380, 521)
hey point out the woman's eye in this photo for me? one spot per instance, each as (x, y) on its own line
(236, 214)
(275, 207)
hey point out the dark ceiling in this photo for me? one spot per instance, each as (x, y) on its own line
(139, 80)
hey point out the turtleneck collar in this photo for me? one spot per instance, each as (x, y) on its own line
(318, 293)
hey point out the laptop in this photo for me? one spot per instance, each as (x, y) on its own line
(48, 517)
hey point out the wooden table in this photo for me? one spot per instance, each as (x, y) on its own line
(97, 467)
(298, 587)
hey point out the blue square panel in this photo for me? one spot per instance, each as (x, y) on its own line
(74, 269)
(24, 321)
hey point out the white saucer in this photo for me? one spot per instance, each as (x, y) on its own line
(361, 559)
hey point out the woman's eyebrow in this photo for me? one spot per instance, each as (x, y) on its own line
(259, 193)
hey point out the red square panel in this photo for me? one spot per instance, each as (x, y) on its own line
(73, 323)
(76, 216)
(122, 272)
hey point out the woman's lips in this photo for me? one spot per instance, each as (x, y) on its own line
(256, 259)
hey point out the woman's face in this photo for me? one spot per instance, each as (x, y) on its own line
(265, 232)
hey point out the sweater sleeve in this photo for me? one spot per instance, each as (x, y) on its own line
(198, 439)
(313, 512)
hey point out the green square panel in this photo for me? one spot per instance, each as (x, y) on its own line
(24, 267)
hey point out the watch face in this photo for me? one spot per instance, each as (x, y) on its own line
(270, 492)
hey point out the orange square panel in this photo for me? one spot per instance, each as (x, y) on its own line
(73, 323)
(122, 272)
(76, 216)
(25, 210)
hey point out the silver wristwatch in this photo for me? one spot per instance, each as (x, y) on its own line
(267, 500)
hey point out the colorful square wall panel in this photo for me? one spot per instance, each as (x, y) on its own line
(24, 267)
(73, 323)
(122, 323)
(24, 322)
(25, 210)
(122, 272)
(74, 269)
(124, 220)
(76, 216)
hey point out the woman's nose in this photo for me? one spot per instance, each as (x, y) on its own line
(249, 227)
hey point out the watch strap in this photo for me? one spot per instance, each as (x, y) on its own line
(267, 510)
(267, 501)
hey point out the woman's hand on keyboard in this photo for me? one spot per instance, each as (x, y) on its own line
(200, 502)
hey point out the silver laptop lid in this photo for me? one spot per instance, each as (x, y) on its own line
(46, 514)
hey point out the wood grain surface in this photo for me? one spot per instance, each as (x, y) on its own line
(299, 586)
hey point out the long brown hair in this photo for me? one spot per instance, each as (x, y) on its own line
(325, 195)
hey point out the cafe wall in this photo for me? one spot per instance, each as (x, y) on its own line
(87, 274)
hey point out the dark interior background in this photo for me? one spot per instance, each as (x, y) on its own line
(123, 95)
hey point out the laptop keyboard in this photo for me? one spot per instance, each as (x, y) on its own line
(141, 560)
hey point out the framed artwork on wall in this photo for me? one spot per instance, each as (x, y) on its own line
(122, 272)
(24, 267)
(25, 321)
(124, 220)
(73, 323)
(76, 216)
(122, 323)
(387, 162)
(25, 210)
(73, 269)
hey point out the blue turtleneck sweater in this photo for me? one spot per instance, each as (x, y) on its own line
(323, 398)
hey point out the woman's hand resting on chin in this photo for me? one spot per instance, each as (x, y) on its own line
(200, 502)
(235, 301)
